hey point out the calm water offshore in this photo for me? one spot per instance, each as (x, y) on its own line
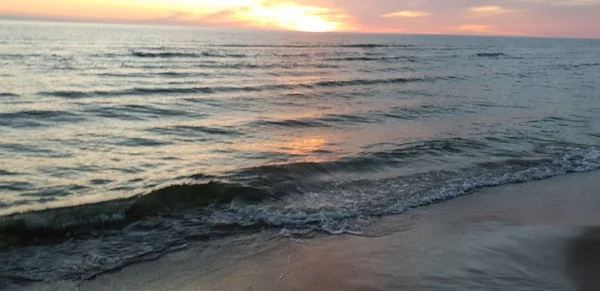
(139, 140)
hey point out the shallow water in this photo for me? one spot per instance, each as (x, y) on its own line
(293, 130)
(529, 236)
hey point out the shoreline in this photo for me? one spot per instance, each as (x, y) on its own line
(530, 235)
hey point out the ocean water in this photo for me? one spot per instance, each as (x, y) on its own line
(121, 143)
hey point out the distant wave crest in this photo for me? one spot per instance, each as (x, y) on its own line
(491, 55)
(209, 90)
(140, 54)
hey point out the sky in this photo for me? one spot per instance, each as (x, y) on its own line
(552, 18)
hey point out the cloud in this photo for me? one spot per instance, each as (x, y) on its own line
(560, 18)
(406, 14)
(488, 9)
(479, 28)
(578, 3)
(174, 16)
(558, 2)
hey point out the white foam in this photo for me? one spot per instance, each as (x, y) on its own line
(333, 212)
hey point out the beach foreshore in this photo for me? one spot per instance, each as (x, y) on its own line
(541, 235)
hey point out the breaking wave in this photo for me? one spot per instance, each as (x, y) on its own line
(290, 197)
(66, 222)
(256, 185)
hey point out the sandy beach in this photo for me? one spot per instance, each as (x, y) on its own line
(541, 235)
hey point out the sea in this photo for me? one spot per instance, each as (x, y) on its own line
(121, 143)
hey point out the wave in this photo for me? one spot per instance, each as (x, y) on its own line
(257, 66)
(160, 90)
(354, 59)
(139, 142)
(304, 173)
(345, 119)
(353, 82)
(65, 222)
(261, 46)
(132, 91)
(49, 224)
(9, 95)
(419, 112)
(162, 55)
(7, 173)
(151, 75)
(250, 184)
(236, 65)
(491, 55)
(291, 55)
(184, 55)
(321, 121)
(178, 197)
(577, 66)
(193, 130)
(290, 123)
(358, 45)
(224, 55)
(574, 160)
(36, 118)
(22, 148)
(288, 197)
(19, 56)
(334, 214)
(373, 45)
(210, 90)
(137, 112)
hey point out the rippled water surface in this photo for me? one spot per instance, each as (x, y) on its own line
(223, 131)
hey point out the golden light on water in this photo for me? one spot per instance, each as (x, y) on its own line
(301, 146)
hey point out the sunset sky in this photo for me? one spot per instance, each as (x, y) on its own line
(557, 18)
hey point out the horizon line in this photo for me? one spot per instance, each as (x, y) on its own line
(21, 18)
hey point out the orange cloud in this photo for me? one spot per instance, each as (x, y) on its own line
(564, 18)
(478, 28)
(488, 9)
(477, 11)
(264, 14)
(406, 13)
(75, 9)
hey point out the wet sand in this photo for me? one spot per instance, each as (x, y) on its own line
(542, 235)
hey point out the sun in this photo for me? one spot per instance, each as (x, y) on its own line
(300, 18)
(291, 17)
(312, 24)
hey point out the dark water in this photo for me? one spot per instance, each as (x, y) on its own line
(140, 140)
